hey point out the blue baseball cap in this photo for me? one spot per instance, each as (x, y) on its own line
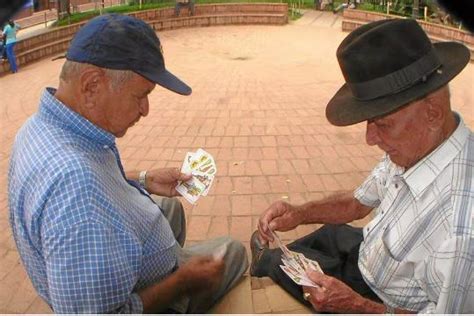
(123, 42)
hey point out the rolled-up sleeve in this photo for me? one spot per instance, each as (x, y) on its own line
(368, 192)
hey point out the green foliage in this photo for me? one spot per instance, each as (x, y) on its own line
(133, 6)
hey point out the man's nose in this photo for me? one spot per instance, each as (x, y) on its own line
(144, 107)
(371, 135)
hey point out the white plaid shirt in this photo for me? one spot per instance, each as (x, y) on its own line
(417, 251)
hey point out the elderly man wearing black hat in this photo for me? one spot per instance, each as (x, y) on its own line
(92, 238)
(416, 253)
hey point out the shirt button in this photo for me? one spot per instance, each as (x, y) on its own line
(106, 146)
(396, 185)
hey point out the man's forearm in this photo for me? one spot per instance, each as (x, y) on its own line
(157, 297)
(366, 306)
(336, 209)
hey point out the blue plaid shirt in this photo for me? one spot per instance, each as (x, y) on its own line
(89, 238)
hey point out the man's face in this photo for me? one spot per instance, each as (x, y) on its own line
(403, 135)
(124, 106)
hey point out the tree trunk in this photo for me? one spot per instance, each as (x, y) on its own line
(416, 5)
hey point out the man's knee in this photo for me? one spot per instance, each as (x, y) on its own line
(236, 254)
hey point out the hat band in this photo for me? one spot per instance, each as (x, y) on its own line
(396, 81)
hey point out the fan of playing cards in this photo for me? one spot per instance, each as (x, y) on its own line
(203, 168)
(296, 264)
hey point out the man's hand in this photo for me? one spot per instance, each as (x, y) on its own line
(334, 296)
(202, 273)
(163, 181)
(280, 216)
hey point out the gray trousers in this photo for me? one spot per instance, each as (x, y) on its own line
(236, 262)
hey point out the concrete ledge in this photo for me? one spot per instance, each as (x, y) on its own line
(436, 32)
(223, 19)
(56, 41)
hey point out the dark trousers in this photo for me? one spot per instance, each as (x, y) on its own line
(179, 5)
(334, 247)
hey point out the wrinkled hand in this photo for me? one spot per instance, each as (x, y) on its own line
(280, 216)
(333, 295)
(203, 272)
(163, 181)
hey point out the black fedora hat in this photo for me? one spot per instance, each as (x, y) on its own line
(388, 64)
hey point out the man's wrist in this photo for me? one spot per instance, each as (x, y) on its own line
(366, 306)
(303, 213)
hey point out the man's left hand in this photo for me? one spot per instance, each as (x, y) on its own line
(163, 181)
(333, 295)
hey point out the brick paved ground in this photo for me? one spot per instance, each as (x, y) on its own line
(257, 106)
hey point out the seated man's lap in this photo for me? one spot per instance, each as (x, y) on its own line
(236, 262)
(335, 248)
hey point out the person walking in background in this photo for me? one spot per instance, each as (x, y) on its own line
(2, 48)
(9, 32)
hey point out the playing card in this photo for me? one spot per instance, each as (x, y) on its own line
(201, 158)
(298, 279)
(296, 264)
(280, 245)
(220, 252)
(205, 179)
(187, 161)
(191, 190)
(299, 259)
(293, 265)
(313, 265)
(203, 169)
(208, 166)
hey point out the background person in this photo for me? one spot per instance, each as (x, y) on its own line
(9, 31)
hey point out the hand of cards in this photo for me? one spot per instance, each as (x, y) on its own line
(296, 264)
(203, 168)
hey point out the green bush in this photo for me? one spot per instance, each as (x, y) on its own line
(133, 5)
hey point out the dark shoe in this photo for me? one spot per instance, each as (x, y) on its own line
(257, 249)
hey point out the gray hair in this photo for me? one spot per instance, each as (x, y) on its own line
(117, 77)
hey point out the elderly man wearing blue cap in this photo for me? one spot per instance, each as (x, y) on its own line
(415, 255)
(92, 238)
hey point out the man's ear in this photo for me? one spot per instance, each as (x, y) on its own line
(91, 84)
(435, 115)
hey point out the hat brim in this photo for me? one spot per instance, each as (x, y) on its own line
(343, 109)
(167, 80)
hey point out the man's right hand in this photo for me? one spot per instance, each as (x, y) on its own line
(203, 272)
(279, 216)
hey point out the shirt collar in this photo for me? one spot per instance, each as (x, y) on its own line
(422, 174)
(54, 110)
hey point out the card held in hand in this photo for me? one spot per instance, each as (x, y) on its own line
(203, 168)
(295, 264)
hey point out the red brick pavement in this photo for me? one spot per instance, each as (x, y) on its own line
(259, 94)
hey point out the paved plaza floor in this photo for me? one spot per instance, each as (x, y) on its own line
(259, 95)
